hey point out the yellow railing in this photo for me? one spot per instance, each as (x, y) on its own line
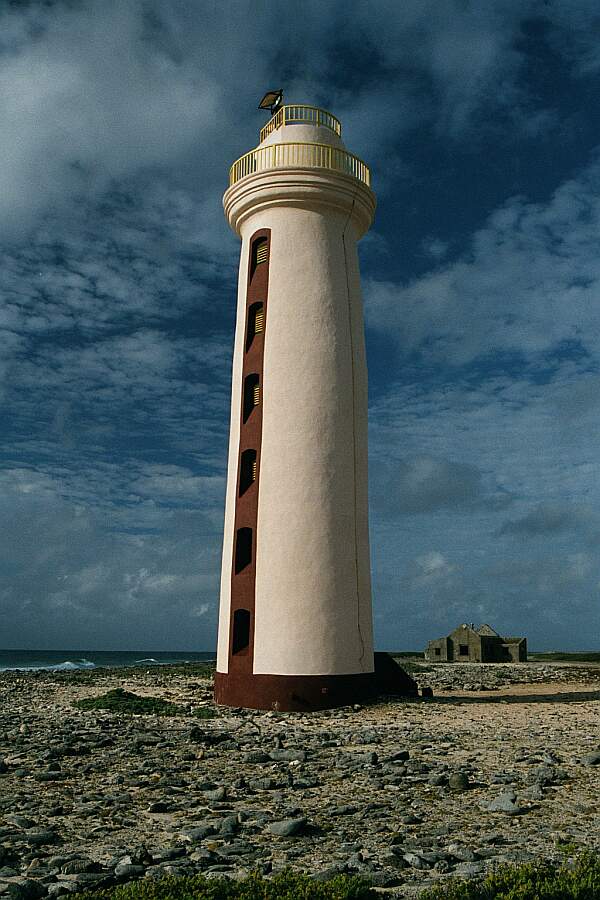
(304, 156)
(295, 115)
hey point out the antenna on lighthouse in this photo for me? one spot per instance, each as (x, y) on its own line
(271, 101)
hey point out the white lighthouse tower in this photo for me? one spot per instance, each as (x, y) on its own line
(295, 625)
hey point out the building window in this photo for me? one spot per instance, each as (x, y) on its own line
(248, 470)
(261, 251)
(260, 254)
(256, 323)
(251, 394)
(243, 549)
(241, 630)
(463, 649)
(438, 651)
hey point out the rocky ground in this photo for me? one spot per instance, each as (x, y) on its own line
(503, 764)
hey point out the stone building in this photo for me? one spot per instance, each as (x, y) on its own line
(469, 644)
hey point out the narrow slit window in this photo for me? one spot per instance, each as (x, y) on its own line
(248, 470)
(256, 323)
(251, 394)
(243, 549)
(241, 630)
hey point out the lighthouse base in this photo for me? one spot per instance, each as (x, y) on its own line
(302, 693)
(293, 693)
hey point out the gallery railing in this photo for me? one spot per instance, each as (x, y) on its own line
(296, 115)
(304, 156)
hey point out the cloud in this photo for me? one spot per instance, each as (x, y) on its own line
(89, 98)
(432, 567)
(527, 284)
(118, 281)
(94, 94)
(547, 519)
(115, 322)
(74, 574)
(422, 484)
(465, 561)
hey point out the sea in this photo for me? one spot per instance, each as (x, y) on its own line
(65, 660)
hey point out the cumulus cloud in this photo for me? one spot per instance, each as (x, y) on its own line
(96, 93)
(432, 567)
(527, 284)
(529, 459)
(76, 574)
(88, 98)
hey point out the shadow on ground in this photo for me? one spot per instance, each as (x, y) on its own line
(567, 697)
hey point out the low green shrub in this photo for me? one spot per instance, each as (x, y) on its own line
(122, 701)
(578, 880)
(286, 886)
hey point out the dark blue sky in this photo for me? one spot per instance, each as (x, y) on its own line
(481, 280)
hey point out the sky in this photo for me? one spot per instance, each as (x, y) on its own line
(481, 279)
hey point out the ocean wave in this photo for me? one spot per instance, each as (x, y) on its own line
(149, 659)
(78, 664)
(66, 666)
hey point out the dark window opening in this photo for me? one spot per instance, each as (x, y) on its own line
(438, 651)
(256, 323)
(248, 470)
(243, 549)
(251, 394)
(260, 253)
(463, 649)
(241, 630)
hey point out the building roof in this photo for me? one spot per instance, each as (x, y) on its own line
(483, 630)
(487, 630)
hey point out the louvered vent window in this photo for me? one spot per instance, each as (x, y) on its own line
(261, 252)
(256, 323)
(251, 394)
(243, 549)
(241, 630)
(248, 470)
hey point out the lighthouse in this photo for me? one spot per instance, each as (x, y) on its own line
(295, 621)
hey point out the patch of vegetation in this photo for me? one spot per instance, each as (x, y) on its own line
(558, 656)
(286, 886)
(578, 880)
(122, 701)
(573, 880)
(569, 848)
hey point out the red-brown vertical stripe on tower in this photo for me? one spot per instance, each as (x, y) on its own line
(243, 570)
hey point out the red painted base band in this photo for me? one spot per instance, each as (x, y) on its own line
(293, 693)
